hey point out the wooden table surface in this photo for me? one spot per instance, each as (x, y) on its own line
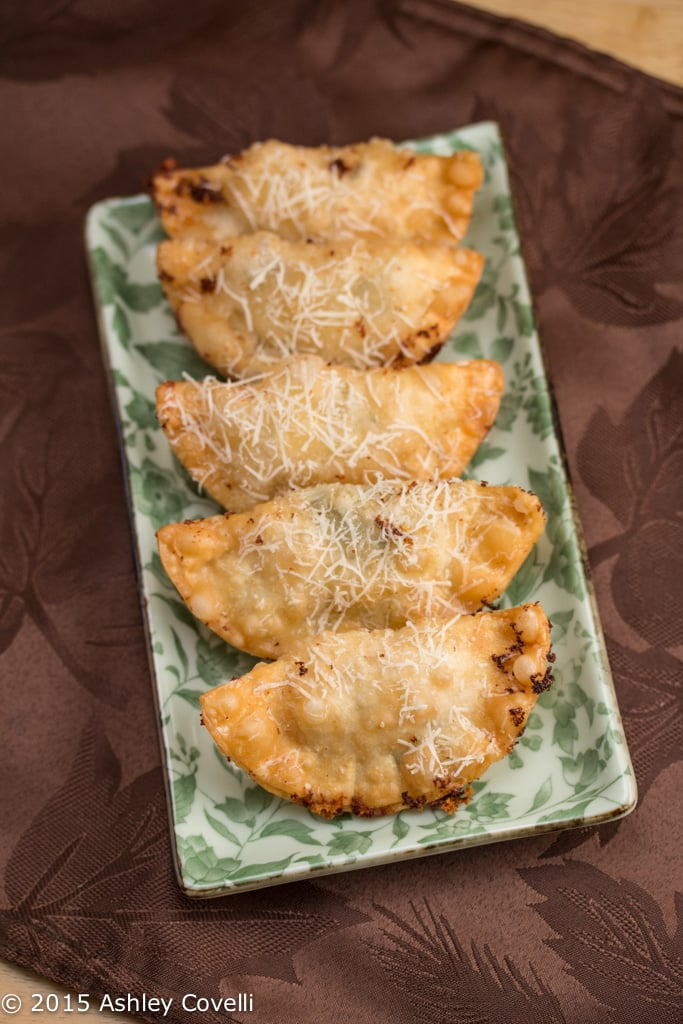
(648, 36)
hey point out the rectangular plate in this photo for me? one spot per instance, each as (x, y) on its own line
(570, 768)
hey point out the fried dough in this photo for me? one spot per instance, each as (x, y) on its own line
(259, 299)
(368, 190)
(375, 722)
(307, 423)
(344, 556)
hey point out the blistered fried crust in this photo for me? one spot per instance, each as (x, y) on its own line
(375, 722)
(344, 556)
(247, 305)
(368, 190)
(308, 423)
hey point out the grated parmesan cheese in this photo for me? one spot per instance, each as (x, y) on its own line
(359, 303)
(306, 422)
(340, 556)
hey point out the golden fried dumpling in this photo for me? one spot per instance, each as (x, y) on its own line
(307, 423)
(248, 304)
(344, 556)
(374, 722)
(368, 190)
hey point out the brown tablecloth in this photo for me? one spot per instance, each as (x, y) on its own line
(583, 926)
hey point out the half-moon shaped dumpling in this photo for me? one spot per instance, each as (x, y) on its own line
(307, 423)
(374, 722)
(344, 556)
(248, 305)
(367, 190)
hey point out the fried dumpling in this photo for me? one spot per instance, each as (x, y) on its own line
(345, 556)
(375, 722)
(248, 304)
(307, 423)
(368, 190)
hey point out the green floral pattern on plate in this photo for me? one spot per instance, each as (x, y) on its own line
(571, 766)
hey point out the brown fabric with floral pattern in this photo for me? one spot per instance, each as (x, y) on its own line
(584, 926)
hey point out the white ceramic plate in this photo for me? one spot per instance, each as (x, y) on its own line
(570, 768)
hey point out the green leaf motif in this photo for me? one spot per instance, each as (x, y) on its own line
(543, 794)
(564, 567)
(316, 860)
(399, 827)
(565, 735)
(549, 486)
(514, 760)
(295, 829)
(141, 411)
(485, 453)
(157, 570)
(180, 610)
(188, 754)
(501, 316)
(221, 829)
(217, 663)
(502, 347)
(532, 742)
(490, 806)
(226, 765)
(581, 771)
(265, 870)
(109, 275)
(484, 299)
(526, 580)
(121, 325)
(468, 345)
(114, 286)
(156, 494)
(573, 811)
(172, 359)
(180, 651)
(141, 297)
(114, 236)
(538, 410)
(578, 696)
(201, 862)
(133, 216)
(257, 799)
(503, 206)
(191, 696)
(349, 842)
(452, 828)
(560, 624)
(510, 404)
(235, 810)
(214, 662)
(184, 787)
(524, 318)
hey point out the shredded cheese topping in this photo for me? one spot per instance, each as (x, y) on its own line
(434, 738)
(380, 555)
(290, 191)
(334, 308)
(361, 304)
(278, 429)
